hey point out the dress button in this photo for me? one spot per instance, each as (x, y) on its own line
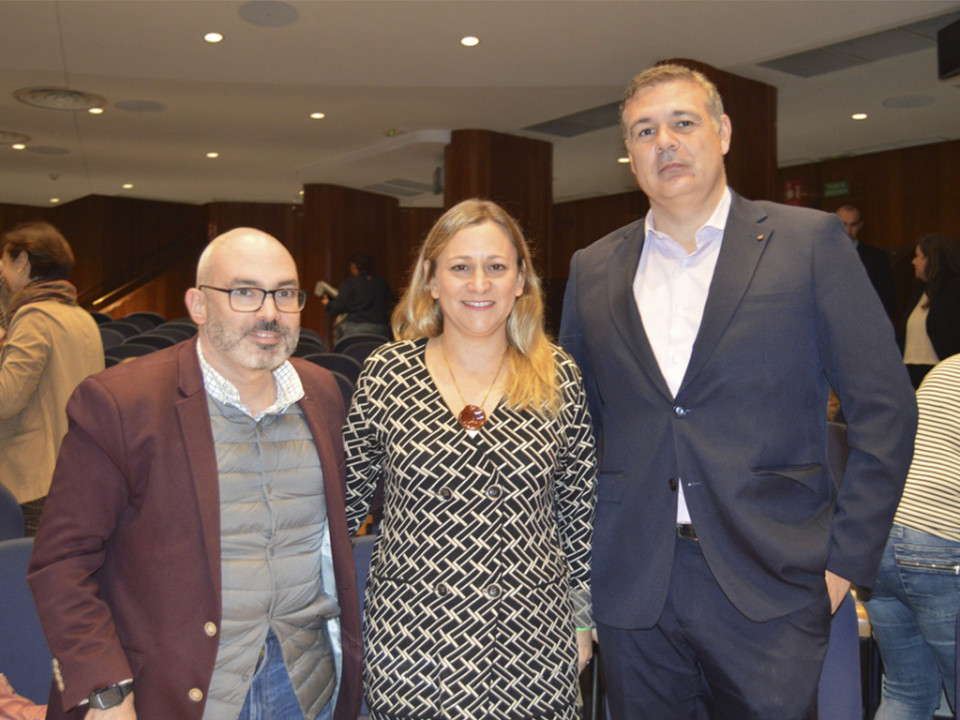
(446, 493)
(493, 492)
(442, 589)
(679, 410)
(210, 629)
(196, 694)
(493, 591)
(673, 484)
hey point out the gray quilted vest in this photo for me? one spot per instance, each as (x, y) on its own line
(272, 518)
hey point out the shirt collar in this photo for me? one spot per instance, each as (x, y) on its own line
(286, 379)
(712, 228)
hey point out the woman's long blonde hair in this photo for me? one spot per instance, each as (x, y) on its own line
(532, 378)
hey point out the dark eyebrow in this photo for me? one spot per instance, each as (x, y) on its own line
(675, 114)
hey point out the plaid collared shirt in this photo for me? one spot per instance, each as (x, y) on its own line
(289, 387)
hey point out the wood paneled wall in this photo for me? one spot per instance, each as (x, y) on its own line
(339, 223)
(902, 194)
(514, 172)
(415, 223)
(752, 107)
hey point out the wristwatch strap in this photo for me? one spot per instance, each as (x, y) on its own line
(109, 697)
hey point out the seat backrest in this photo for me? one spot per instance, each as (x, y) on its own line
(178, 331)
(840, 695)
(342, 364)
(110, 337)
(153, 339)
(146, 324)
(360, 351)
(349, 340)
(11, 517)
(308, 345)
(24, 656)
(153, 317)
(127, 329)
(347, 386)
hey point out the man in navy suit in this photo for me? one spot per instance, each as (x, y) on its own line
(875, 261)
(708, 334)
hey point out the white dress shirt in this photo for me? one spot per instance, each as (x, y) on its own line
(917, 347)
(671, 288)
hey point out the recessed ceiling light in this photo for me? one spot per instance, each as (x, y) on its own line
(623, 160)
(859, 116)
(128, 186)
(19, 146)
(318, 115)
(213, 37)
(470, 41)
(212, 155)
(54, 200)
(95, 111)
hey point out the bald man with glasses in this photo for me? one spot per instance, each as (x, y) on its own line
(193, 561)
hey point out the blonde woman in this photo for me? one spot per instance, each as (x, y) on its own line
(478, 601)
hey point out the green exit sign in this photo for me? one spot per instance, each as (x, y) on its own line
(836, 189)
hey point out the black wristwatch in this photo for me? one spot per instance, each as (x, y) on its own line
(109, 697)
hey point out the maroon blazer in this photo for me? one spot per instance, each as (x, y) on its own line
(126, 566)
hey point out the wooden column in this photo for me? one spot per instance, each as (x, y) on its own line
(752, 108)
(515, 172)
(338, 223)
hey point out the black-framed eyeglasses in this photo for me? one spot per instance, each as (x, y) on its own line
(251, 299)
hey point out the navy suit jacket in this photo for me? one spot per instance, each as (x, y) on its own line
(790, 312)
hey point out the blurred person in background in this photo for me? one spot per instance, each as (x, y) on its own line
(363, 302)
(50, 345)
(932, 329)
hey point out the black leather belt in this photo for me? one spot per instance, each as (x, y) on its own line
(686, 531)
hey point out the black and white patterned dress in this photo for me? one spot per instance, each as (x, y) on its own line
(483, 558)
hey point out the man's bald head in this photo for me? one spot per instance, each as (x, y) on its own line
(242, 239)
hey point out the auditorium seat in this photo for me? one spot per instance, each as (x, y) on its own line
(24, 656)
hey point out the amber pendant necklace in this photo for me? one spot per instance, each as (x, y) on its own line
(471, 418)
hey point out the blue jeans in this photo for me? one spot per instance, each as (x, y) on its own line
(271, 695)
(913, 612)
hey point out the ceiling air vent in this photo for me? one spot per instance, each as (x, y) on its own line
(862, 50)
(400, 188)
(581, 122)
(55, 98)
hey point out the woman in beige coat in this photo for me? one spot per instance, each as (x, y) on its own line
(50, 345)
